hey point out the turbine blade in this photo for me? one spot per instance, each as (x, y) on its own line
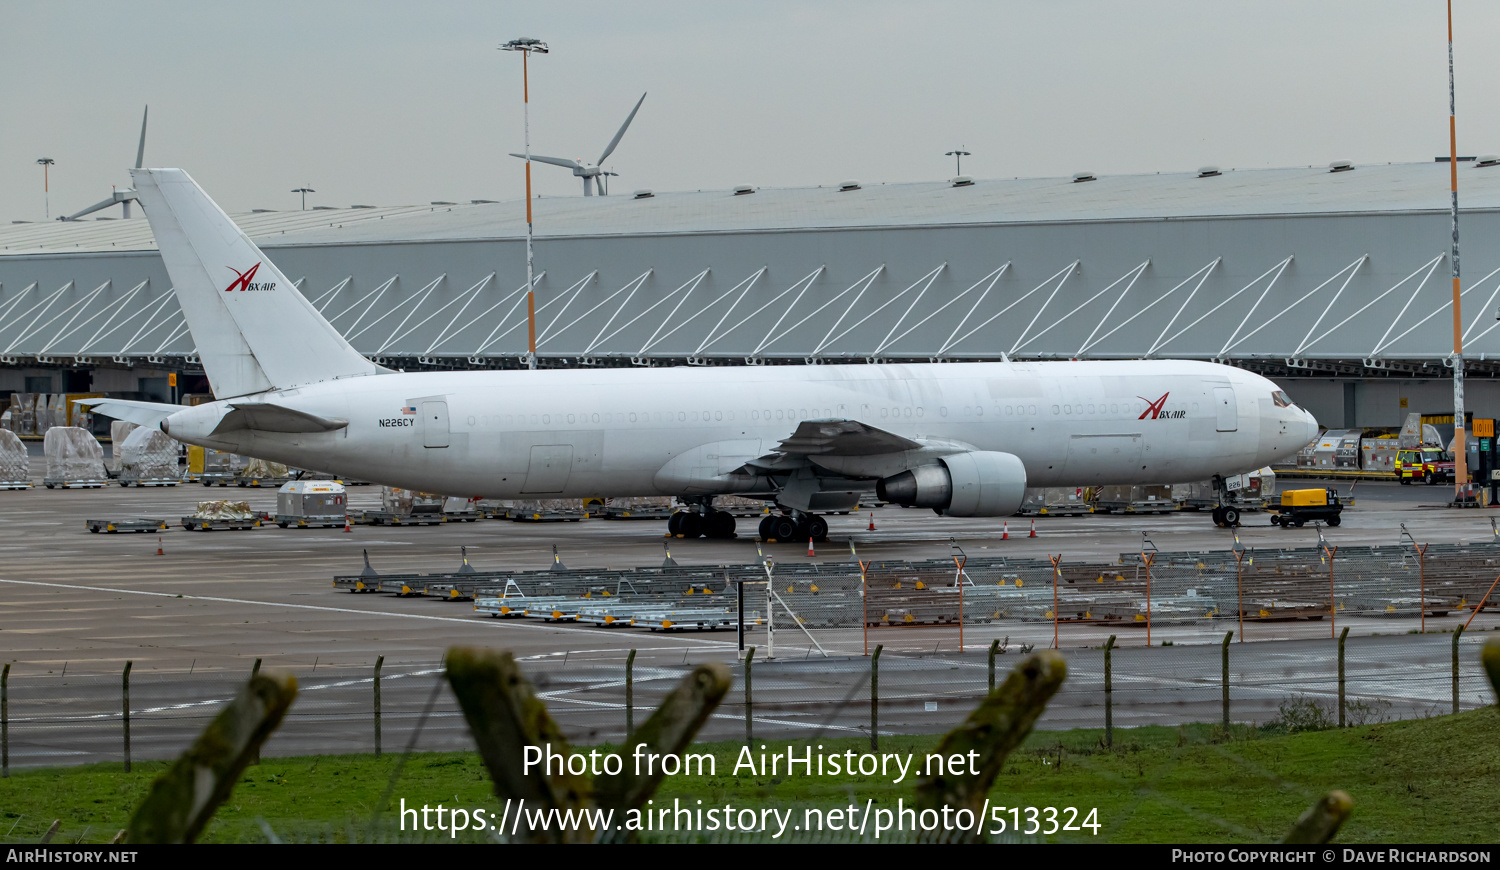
(140, 151)
(555, 161)
(103, 204)
(616, 141)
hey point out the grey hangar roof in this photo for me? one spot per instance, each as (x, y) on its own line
(1279, 269)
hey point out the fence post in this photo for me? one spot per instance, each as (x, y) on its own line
(749, 711)
(994, 648)
(875, 698)
(1457, 633)
(125, 692)
(379, 660)
(254, 672)
(1342, 635)
(5, 722)
(1224, 654)
(1109, 691)
(630, 687)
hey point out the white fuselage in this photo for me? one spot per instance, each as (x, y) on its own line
(609, 432)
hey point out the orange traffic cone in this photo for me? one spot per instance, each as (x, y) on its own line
(1033, 529)
(810, 548)
(872, 522)
(158, 546)
(346, 524)
(1005, 531)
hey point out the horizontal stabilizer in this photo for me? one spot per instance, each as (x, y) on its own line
(266, 417)
(147, 414)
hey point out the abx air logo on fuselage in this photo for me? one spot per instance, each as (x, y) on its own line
(246, 280)
(1155, 409)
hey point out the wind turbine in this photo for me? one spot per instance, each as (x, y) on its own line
(123, 197)
(590, 171)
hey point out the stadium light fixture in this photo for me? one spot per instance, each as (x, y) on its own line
(526, 46)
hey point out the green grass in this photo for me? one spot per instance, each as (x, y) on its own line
(1431, 780)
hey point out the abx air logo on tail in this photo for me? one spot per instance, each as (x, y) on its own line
(246, 280)
(1154, 409)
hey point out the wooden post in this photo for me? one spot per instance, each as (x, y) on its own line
(379, 660)
(630, 691)
(1341, 675)
(1422, 583)
(1109, 692)
(749, 703)
(255, 751)
(5, 722)
(1224, 655)
(994, 648)
(875, 698)
(125, 717)
(1457, 633)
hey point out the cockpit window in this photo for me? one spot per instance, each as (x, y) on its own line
(1281, 399)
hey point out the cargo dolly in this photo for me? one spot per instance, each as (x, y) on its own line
(150, 481)
(273, 482)
(57, 483)
(215, 478)
(200, 524)
(136, 525)
(387, 518)
(15, 484)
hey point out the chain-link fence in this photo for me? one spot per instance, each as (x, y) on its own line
(61, 719)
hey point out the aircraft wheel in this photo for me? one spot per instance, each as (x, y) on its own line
(674, 524)
(784, 528)
(817, 528)
(691, 524)
(766, 523)
(719, 524)
(1231, 516)
(1218, 516)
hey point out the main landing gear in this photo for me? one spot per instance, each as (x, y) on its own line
(701, 521)
(1227, 516)
(794, 526)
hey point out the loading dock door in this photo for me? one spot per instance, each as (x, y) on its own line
(549, 468)
(1228, 411)
(434, 424)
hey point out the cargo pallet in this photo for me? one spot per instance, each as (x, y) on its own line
(138, 525)
(53, 483)
(197, 524)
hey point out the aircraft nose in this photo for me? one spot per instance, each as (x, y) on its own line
(1311, 423)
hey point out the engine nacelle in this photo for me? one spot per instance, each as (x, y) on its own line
(980, 483)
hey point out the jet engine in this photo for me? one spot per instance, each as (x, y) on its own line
(980, 483)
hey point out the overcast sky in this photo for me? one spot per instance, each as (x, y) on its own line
(388, 103)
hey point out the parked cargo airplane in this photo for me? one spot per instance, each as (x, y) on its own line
(964, 439)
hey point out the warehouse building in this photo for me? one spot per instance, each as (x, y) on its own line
(1333, 279)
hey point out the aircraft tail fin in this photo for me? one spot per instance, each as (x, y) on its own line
(255, 331)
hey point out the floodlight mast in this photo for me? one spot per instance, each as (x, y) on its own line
(304, 190)
(958, 156)
(1460, 451)
(46, 162)
(526, 46)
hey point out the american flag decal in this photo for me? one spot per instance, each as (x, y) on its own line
(409, 410)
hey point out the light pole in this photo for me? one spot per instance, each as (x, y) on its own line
(304, 191)
(526, 46)
(1460, 452)
(958, 156)
(46, 191)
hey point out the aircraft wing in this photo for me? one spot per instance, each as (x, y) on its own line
(140, 413)
(266, 417)
(842, 438)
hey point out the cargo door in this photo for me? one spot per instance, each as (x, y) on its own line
(1228, 411)
(549, 468)
(434, 423)
(1096, 458)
